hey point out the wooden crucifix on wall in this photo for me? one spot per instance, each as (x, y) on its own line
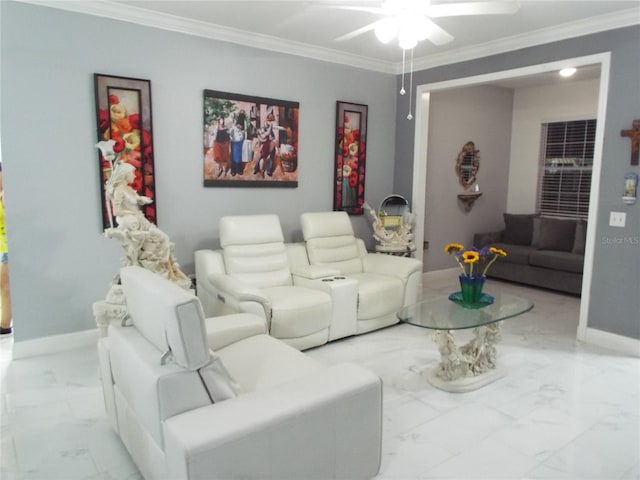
(634, 136)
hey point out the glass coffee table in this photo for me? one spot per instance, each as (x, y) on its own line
(473, 365)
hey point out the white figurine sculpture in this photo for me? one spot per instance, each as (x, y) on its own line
(144, 243)
(400, 238)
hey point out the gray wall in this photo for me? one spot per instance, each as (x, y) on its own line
(482, 115)
(60, 263)
(614, 304)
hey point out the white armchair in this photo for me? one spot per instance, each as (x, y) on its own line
(386, 284)
(252, 274)
(255, 408)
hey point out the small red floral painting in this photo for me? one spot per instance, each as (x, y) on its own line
(351, 152)
(123, 107)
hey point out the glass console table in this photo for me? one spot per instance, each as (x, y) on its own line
(471, 366)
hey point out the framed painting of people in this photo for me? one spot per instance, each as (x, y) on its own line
(249, 141)
(350, 157)
(125, 135)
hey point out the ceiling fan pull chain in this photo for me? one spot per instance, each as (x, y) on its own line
(402, 91)
(410, 117)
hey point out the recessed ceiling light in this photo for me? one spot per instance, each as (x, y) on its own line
(567, 72)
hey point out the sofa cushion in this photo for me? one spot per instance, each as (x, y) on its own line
(518, 228)
(331, 242)
(556, 260)
(580, 238)
(326, 224)
(262, 362)
(262, 265)
(535, 236)
(556, 234)
(250, 230)
(378, 295)
(254, 251)
(298, 311)
(518, 254)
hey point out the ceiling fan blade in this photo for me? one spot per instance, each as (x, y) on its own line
(436, 34)
(357, 32)
(474, 8)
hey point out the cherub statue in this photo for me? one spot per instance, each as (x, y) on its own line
(144, 243)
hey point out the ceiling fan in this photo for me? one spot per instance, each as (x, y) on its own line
(410, 20)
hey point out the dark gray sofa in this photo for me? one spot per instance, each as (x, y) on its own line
(541, 251)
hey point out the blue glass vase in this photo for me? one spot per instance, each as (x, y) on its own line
(471, 288)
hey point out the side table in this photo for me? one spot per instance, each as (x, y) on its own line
(397, 250)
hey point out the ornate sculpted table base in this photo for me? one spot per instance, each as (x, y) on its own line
(469, 367)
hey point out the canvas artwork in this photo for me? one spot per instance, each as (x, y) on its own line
(123, 109)
(249, 141)
(351, 154)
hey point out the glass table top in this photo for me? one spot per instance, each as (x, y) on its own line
(443, 314)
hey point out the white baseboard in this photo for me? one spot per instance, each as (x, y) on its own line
(612, 341)
(55, 343)
(70, 341)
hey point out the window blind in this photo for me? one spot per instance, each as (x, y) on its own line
(566, 162)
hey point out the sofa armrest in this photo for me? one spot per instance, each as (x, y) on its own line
(227, 329)
(401, 267)
(226, 285)
(234, 296)
(485, 239)
(331, 418)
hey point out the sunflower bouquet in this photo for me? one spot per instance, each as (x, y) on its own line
(474, 262)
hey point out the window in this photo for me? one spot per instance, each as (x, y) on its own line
(566, 159)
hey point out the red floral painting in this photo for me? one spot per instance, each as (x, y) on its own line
(123, 107)
(351, 153)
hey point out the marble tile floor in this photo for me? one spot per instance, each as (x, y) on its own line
(565, 410)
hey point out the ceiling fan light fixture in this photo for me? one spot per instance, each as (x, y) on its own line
(407, 39)
(386, 29)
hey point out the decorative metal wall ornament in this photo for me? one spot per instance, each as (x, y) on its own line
(467, 165)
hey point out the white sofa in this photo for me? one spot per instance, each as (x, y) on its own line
(385, 284)
(250, 407)
(251, 273)
(367, 291)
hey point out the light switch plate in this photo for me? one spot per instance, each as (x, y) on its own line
(617, 219)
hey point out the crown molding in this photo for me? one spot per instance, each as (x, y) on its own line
(141, 16)
(564, 31)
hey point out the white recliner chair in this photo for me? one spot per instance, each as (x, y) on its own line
(386, 284)
(251, 408)
(252, 274)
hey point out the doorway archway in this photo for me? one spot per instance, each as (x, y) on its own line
(420, 157)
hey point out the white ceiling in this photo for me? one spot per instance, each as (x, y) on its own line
(309, 28)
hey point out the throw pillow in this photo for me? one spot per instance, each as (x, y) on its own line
(518, 228)
(556, 234)
(581, 237)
